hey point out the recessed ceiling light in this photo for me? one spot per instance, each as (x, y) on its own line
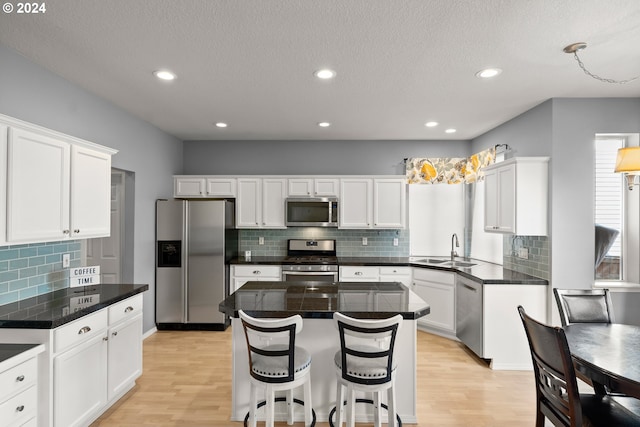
(325, 74)
(488, 73)
(164, 75)
(324, 124)
(450, 131)
(431, 124)
(221, 125)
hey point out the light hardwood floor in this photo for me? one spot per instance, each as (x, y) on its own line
(187, 383)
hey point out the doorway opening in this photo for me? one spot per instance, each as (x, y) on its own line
(114, 254)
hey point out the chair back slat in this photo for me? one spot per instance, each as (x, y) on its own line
(584, 305)
(371, 342)
(271, 338)
(556, 385)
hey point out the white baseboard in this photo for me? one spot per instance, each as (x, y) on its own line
(149, 333)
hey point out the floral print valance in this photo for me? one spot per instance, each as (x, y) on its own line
(449, 170)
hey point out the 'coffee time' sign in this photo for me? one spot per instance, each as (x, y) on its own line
(84, 276)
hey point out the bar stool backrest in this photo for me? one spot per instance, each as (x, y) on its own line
(271, 343)
(584, 305)
(367, 348)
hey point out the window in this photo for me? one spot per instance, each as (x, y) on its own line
(615, 213)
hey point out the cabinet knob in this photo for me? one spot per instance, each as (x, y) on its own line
(256, 272)
(65, 231)
(84, 330)
(358, 273)
(20, 408)
(77, 230)
(115, 333)
(128, 309)
(105, 339)
(20, 379)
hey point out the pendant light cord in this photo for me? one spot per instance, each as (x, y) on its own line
(602, 79)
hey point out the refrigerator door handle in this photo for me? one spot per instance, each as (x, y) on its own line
(185, 264)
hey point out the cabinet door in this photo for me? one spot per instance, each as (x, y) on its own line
(124, 359)
(300, 187)
(326, 187)
(90, 193)
(507, 199)
(221, 187)
(38, 176)
(80, 383)
(188, 187)
(491, 221)
(389, 207)
(356, 203)
(441, 300)
(249, 203)
(273, 196)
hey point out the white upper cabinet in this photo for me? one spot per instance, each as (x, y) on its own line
(249, 203)
(516, 196)
(372, 203)
(313, 187)
(208, 187)
(274, 192)
(57, 187)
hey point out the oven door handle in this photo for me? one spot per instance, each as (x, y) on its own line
(309, 273)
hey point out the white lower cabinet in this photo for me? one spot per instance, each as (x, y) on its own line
(241, 274)
(349, 273)
(87, 364)
(19, 389)
(396, 274)
(437, 288)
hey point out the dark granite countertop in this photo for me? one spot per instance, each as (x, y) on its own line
(365, 300)
(8, 351)
(482, 272)
(54, 309)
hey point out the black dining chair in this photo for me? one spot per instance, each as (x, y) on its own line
(584, 305)
(557, 396)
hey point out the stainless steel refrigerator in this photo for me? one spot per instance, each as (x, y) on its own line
(195, 241)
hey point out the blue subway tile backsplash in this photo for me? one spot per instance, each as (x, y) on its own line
(35, 269)
(348, 242)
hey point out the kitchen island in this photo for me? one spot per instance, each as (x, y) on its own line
(316, 302)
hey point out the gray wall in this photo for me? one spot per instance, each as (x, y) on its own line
(565, 129)
(31, 93)
(312, 157)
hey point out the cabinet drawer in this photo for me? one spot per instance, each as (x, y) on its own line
(79, 330)
(125, 309)
(358, 273)
(20, 408)
(257, 271)
(18, 378)
(395, 271)
(434, 276)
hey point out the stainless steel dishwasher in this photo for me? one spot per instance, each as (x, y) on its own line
(469, 314)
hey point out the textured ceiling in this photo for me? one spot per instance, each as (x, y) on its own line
(399, 63)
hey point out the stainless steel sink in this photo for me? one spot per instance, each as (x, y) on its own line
(461, 264)
(432, 261)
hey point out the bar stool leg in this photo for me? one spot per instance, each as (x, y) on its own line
(339, 406)
(253, 406)
(290, 406)
(308, 418)
(376, 409)
(269, 414)
(391, 405)
(351, 406)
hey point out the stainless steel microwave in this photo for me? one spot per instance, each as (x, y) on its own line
(311, 212)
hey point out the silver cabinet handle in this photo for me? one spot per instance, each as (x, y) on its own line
(20, 408)
(65, 231)
(470, 288)
(128, 309)
(257, 272)
(77, 231)
(114, 333)
(84, 330)
(358, 273)
(105, 338)
(20, 379)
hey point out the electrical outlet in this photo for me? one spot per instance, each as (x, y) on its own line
(66, 260)
(261, 240)
(365, 242)
(395, 241)
(523, 253)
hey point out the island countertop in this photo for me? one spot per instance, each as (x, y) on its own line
(319, 300)
(53, 309)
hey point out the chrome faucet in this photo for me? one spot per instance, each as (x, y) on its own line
(454, 254)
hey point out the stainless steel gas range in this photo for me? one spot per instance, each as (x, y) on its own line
(313, 260)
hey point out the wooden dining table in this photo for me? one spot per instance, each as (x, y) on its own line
(608, 354)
